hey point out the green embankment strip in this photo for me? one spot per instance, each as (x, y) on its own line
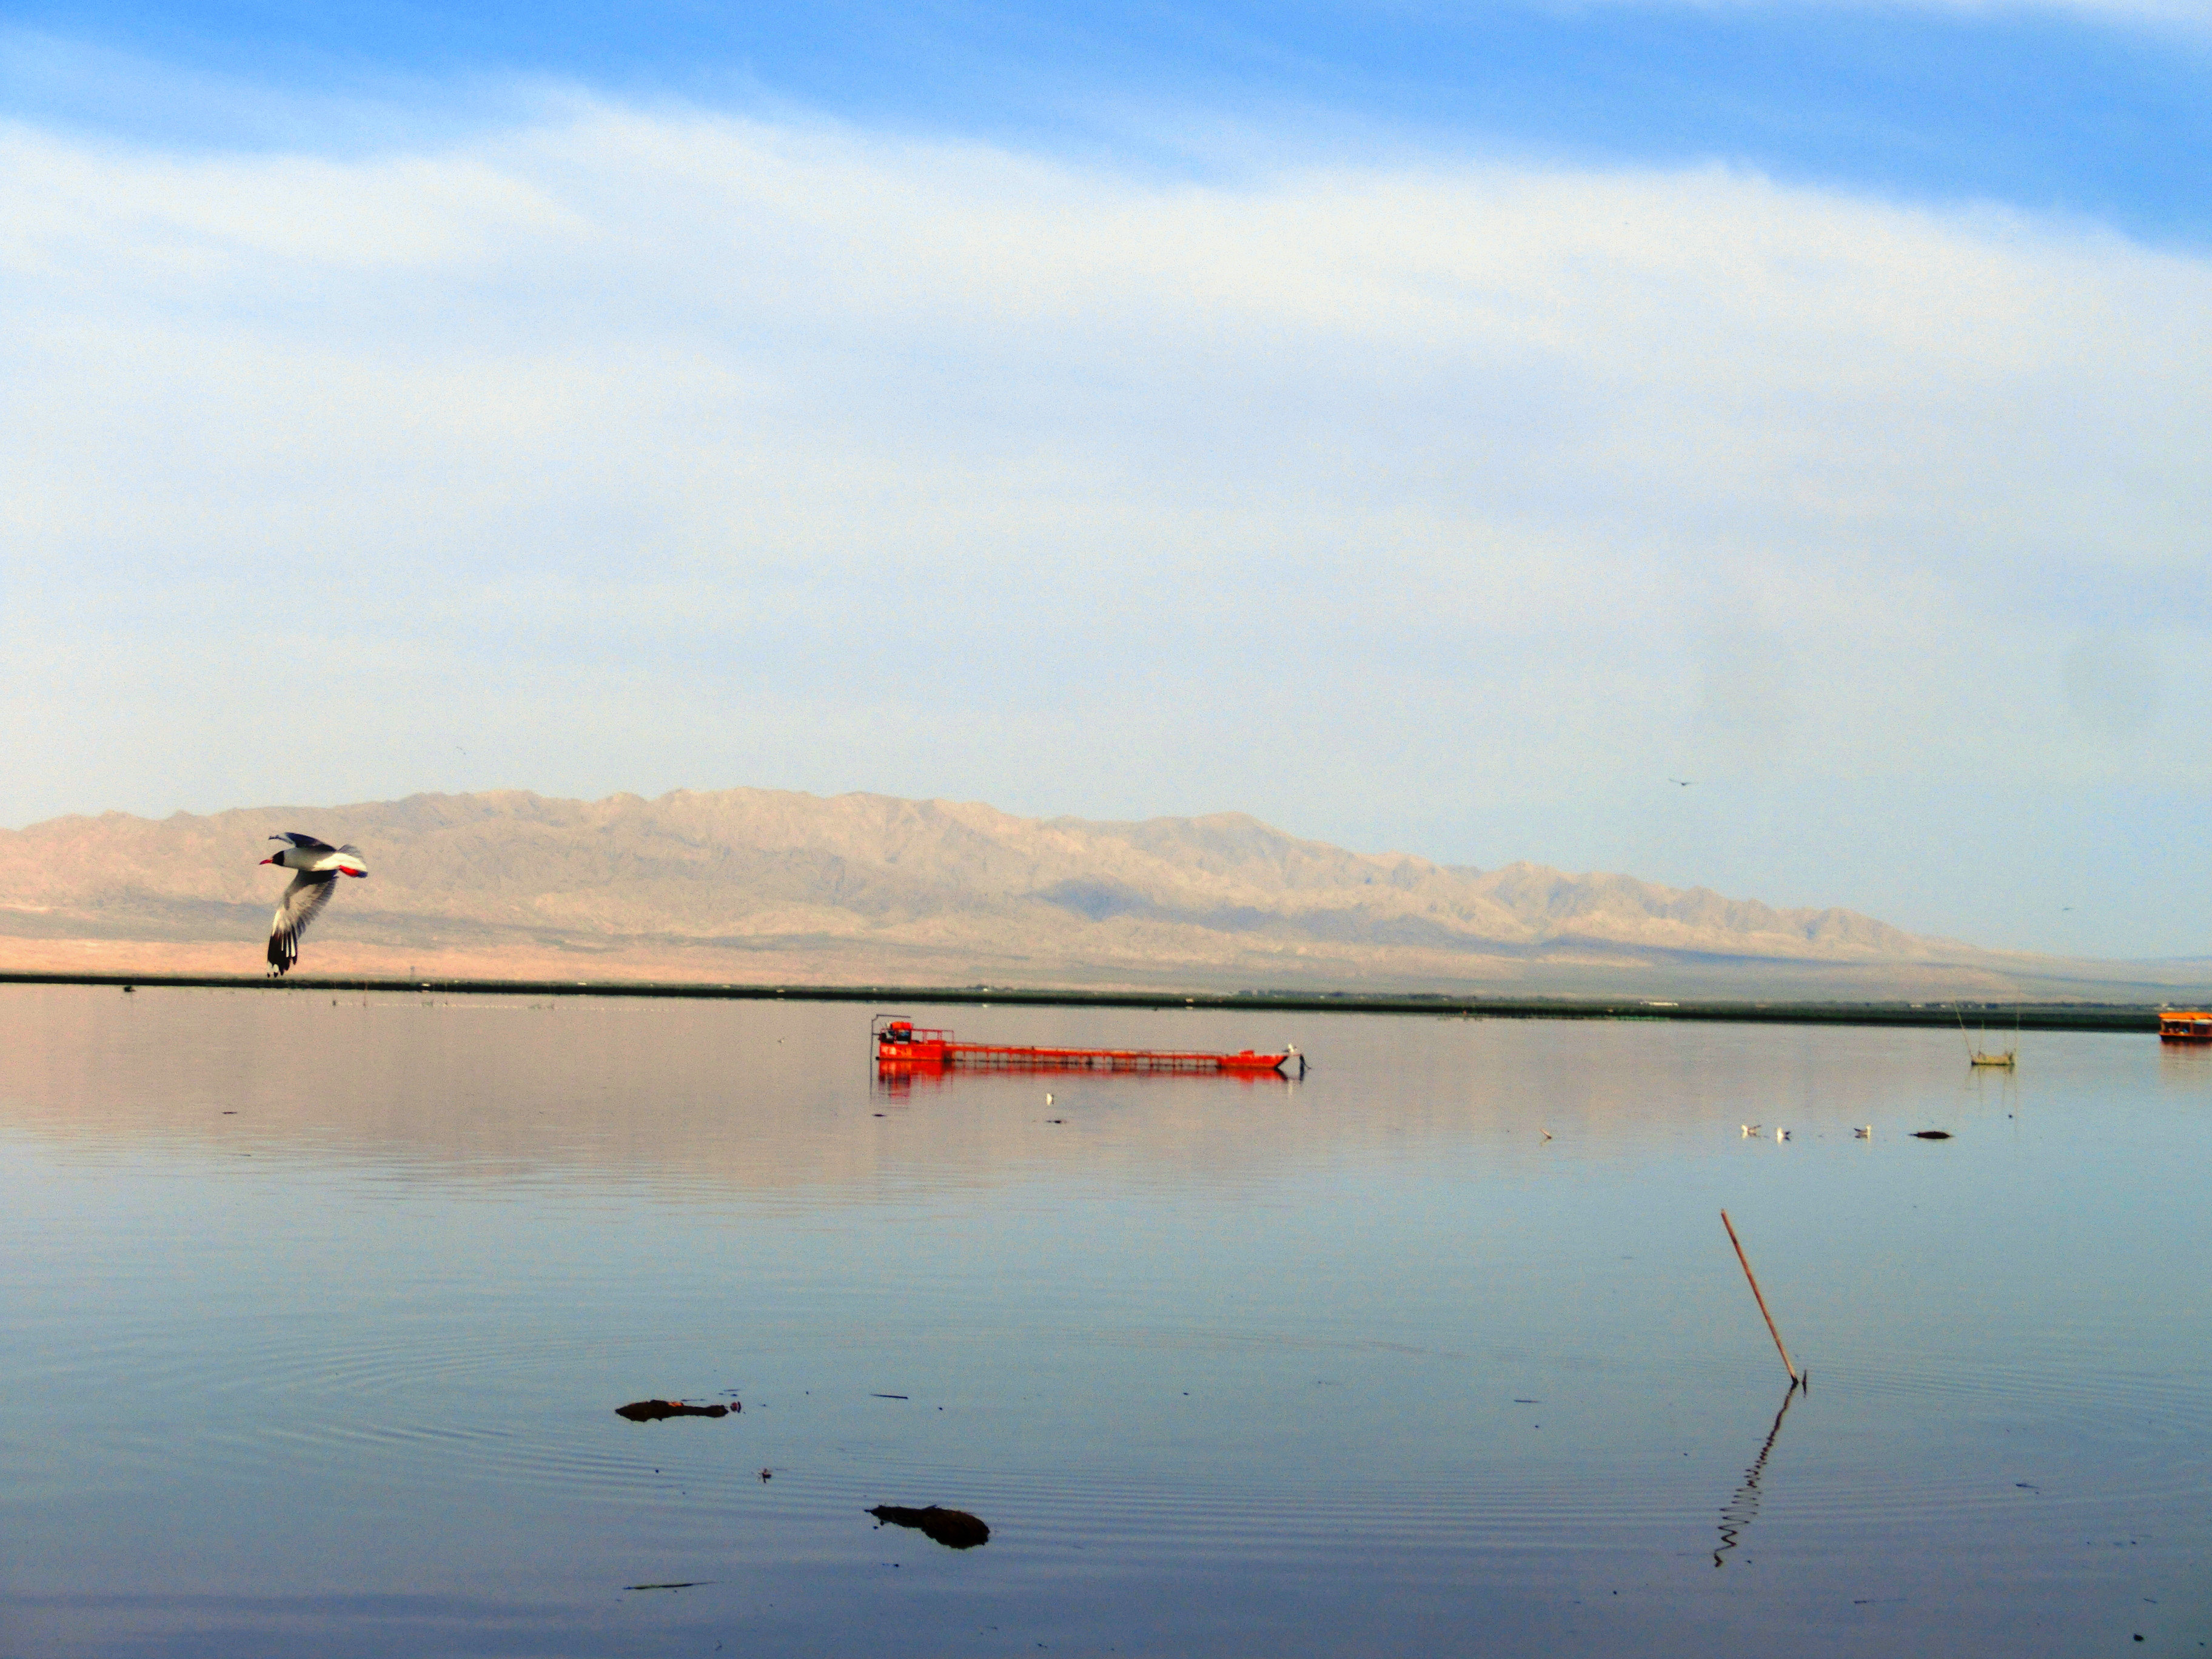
(2029, 1017)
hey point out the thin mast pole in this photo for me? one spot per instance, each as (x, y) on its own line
(1754, 1279)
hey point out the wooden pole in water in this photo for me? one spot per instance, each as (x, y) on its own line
(1754, 1279)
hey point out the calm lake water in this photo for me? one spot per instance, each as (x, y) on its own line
(314, 1316)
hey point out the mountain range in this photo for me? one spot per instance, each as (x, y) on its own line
(769, 885)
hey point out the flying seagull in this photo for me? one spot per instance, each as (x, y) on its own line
(316, 866)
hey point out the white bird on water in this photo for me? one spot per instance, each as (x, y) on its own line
(316, 866)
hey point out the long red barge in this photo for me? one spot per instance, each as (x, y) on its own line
(900, 1043)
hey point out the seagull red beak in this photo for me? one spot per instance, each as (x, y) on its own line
(269, 860)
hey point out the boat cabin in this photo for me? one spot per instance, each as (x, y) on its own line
(897, 1037)
(2193, 1026)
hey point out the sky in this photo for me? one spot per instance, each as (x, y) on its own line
(1750, 443)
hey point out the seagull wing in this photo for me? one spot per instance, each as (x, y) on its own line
(302, 902)
(307, 842)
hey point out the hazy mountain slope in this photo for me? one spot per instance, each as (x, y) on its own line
(705, 866)
(750, 882)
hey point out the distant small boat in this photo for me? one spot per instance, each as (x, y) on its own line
(2193, 1026)
(2004, 1058)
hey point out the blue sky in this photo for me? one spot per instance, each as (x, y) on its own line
(1426, 427)
(2097, 110)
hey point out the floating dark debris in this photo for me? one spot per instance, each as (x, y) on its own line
(956, 1529)
(652, 1411)
(688, 1584)
(1931, 1135)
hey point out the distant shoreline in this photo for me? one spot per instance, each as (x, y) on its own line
(2136, 1017)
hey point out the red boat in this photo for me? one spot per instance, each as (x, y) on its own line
(902, 1045)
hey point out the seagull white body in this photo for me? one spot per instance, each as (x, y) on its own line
(316, 867)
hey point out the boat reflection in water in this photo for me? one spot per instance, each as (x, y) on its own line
(899, 1079)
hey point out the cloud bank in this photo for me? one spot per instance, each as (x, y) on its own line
(1442, 505)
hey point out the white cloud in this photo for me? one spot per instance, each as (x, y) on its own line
(630, 450)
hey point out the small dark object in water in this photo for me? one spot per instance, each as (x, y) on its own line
(130, 990)
(768, 1475)
(956, 1529)
(688, 1584)
(652, 1411)
(886, 1396)
(1931, 1135)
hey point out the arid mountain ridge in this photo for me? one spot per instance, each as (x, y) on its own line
(753, 882)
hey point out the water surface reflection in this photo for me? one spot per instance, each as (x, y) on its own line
(317, 1313)
(1742, 1507)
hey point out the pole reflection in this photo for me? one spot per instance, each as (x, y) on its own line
(1738, 1513)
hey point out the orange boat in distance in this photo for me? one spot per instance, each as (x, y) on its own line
(903, 1046)
(2193, 1026)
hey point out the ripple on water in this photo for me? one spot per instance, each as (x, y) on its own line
(317, 1398)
